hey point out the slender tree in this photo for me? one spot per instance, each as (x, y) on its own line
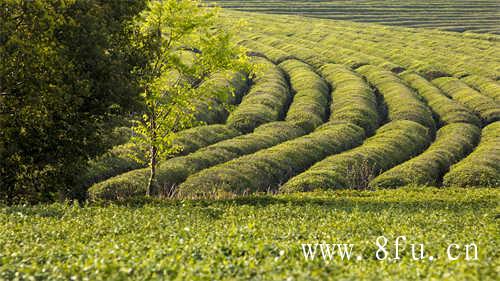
(184, 41)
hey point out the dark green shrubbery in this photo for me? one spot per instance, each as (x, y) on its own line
(268, 168)
(353, 100)
(402, 103)
(485, 107)
(453, 143)
(311, 94)
(265, 101)
(482, 166)
(392, 144)
(447, 110)
(173, 171)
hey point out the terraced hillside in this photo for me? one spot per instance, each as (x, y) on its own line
(459, 15)
(337, 104)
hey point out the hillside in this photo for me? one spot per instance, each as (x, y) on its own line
(481, 16)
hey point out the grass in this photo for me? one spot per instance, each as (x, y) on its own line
(252, 238)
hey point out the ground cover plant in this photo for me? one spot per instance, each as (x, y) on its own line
(253, 238)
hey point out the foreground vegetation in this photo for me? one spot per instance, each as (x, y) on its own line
(252, 238)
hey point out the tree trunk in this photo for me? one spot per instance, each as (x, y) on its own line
(152, 178)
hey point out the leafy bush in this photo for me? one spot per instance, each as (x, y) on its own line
(311, 94)
(453, 143)
(392, 144)
(265, 101)
(486, 108)
(226, 86)
(485, 85)
(275, 55)
(447, 110)
(353, 100)
(174, 171)
(482, 166)
(402, 103)
(270, 167)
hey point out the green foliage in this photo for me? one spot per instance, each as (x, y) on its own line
(482, 166)
(447, 110)
(353, 100)
(486, 108)
(221, 90)
(311, 95)
(64, 76)
(392, 144)
(453, 142)
(266, 169)
(174, 171)
(486, 86)
(402, 103)
(265, 101)
(275, 55)
(256, 237)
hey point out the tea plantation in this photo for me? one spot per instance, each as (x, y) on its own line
(254, 238)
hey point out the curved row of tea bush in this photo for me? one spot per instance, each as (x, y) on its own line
(265, 102)
(268, 168)
(311, 95)
(224, 88)
(275, 55)
(130, 156)
(485, 107)
(402, 103)
(391, 145)
(486, 86)
(453, 142)
(353, 100)
(482, 166)
(447, 110)
(174, 171)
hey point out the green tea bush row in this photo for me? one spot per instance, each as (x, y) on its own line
(486, 108)
(224, 88)
(353, 100)
(268, 168)
(130, 156)
(392, 144)
(305, 54)
(447, 110)
(402, 103)
(311, 95)
(485, 85)
(482, 166)
(266, 100)
(273, 54)
(453, 143)
(175, 170)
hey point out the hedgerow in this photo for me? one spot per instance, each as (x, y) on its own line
(311, 94)
(275, 55)
(447, 110)
(266, 100)
(482, 166)
(392, 144)
(402, 103)
(353, 100)
(130, 156)
(268, 168)
(224, 88)
(174, 171)
(453, 143)
(485, 107)
(485, 85)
